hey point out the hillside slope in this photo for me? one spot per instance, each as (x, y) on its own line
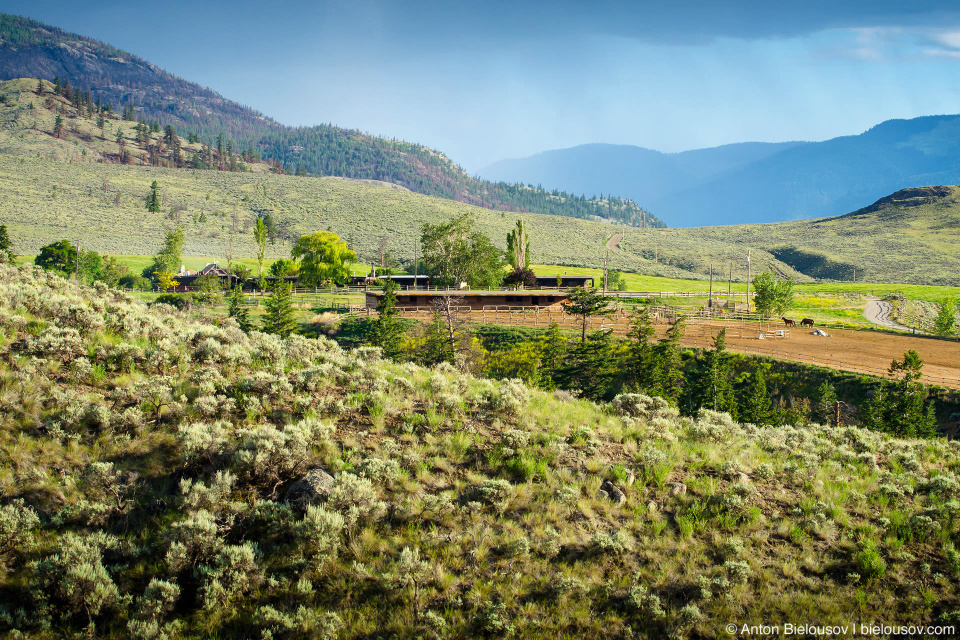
(72, 187)
(167, 478)
(29, 49)
(761, 183)
(910, 236)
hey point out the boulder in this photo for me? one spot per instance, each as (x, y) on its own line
(313, 487)
(678, 488)
(612, 491)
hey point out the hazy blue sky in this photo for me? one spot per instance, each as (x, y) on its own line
(486, 81)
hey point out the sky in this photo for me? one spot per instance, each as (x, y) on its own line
(503, 79)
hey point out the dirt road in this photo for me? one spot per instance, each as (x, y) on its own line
(614, 243)
(878, 312)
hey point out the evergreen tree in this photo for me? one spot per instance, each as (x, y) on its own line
(756, 406)
(437, 347)
(101, 123)
(153, 200)
(825, 410)
(945, 323)
(6, 246)
(387, 330)
(279, 318)
(907, 415)
(585, 303)
(238, 308)
(39, 86)
(591, 367)
(668, 376)
(58, 126)
(641, 364)
(57, 87)
(553, 347)
(710, 381)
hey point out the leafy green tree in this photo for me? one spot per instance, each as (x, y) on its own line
(237, 308)
(772, 295)
(113, 271)
(454, 252)
(91, 267)
(945, 323)
(279, 318)
(6, 245)
(710, 385)
(616, 281)
(518, 247)
(585, 304)
(169, 258)
(260, 236)
(323, 257)
(153, 200)
(387, 332)
(282, 268)
(60, 257)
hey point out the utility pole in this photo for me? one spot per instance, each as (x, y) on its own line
(748, 281)
(710, 297)
(729, 283)
(605, 261)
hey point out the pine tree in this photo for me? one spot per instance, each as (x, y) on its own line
(153, 200)
(585, 303)
(668, 376)
(238, 308)
(826, 407)
(553, 347)
(387, 330)
(279, 318)
(39, 86)
(58, 126)
(437, 347)
(710, 384)
(756, 406)
(590, 367)
(101, 123)
(6, 246)
(641, 360)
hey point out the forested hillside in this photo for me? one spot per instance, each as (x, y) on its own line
(138, 89)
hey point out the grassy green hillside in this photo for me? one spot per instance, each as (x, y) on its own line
(912, 236)
(72, 188)
(166, 478)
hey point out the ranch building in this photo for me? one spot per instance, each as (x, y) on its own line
(476, 300)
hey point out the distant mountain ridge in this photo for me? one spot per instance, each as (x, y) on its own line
(757, 182)
(29, 49)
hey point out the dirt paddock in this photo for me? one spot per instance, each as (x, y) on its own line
(863, 351)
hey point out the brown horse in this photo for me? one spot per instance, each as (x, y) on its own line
(806, 322)
(788, 322)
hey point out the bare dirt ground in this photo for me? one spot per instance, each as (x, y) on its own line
(614, 243)
(868, 352)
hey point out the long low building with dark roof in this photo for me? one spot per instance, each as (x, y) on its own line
(478, 300)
